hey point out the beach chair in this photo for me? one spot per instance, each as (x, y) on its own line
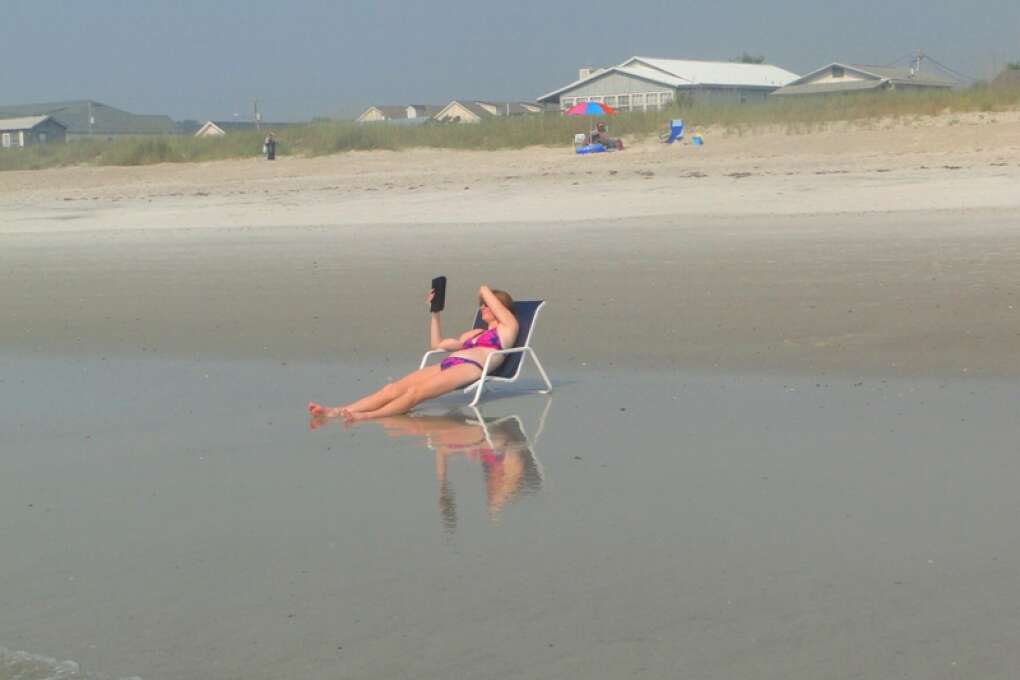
(580, 139)
(526, 312)
(676, 131)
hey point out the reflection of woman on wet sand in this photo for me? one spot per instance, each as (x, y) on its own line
(462, 367)
(500, 446)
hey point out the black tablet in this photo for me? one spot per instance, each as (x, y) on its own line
(439, 286)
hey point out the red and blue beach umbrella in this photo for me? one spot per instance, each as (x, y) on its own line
(590, 109)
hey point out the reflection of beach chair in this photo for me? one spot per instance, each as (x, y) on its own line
(676, 131)
(507, 372)
(518, 433)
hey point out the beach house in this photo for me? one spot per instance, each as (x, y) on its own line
(1009, 79)
(475, 111)
(644, 83)
(220, 128)
(87, 118)
(839, 78)
(29, 131)
(402, 113)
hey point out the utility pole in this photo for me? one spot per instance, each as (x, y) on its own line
(920, 57)
(258, 116)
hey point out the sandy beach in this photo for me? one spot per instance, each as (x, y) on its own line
(781, 444)
(882, 249)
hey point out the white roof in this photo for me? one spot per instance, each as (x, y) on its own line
(690, 73)
(719, 72)
(23, 123)
(642, 71)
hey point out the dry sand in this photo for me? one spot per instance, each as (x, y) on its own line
(891, 249)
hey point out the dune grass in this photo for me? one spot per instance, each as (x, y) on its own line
(794, 115)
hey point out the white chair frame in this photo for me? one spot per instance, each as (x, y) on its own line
(530, 441)
(479, 385)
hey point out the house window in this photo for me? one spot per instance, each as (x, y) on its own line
(42, 137)
(611, 100)
(5, 140)
(637, 101)
(624, 102)
(838, 72)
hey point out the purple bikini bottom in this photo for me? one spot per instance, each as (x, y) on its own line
(457, 361)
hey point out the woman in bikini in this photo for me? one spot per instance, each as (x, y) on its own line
(461, 368)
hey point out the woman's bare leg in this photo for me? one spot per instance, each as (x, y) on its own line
(378, 398)
(433, 386)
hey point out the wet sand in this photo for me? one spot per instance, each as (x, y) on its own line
(782, 442)
(678, 525)
(905, 294)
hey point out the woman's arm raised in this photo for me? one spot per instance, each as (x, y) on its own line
(498, 309)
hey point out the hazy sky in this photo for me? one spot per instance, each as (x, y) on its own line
(305, 58)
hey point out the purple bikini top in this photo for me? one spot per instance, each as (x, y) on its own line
(489, 338)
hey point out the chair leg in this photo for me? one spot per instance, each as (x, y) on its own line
(538, 365)
(478, 391)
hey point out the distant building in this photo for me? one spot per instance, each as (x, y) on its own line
(646, 83)
(404, 112)
(222, 127)
(29, 131)
(1009, 79)
(88, 118)
(838, 78)
(475, 111)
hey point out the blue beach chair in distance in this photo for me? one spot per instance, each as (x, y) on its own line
(676, 131)
(526, 312)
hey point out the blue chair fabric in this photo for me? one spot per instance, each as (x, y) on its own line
(525, 311)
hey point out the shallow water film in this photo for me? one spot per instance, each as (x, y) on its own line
(185, 519)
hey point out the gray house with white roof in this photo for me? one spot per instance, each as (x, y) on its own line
(643, 83)
(838, 78)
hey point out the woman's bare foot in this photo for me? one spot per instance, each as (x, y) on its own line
(321, 411)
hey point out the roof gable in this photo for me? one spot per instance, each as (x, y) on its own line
(25, 122)
(717, 72)
(897, 76)
(678, 73)
(644, 73)
(1009, 78)
(210, 129)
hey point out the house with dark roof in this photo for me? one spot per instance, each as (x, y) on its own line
(651, 83)
(1009, 79)
(87, 118)
(406, 113)
(475, 111)
(839, 78)
(17, 133)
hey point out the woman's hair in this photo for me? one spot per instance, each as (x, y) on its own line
(505, 298)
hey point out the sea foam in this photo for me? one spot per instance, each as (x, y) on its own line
(28, 666)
